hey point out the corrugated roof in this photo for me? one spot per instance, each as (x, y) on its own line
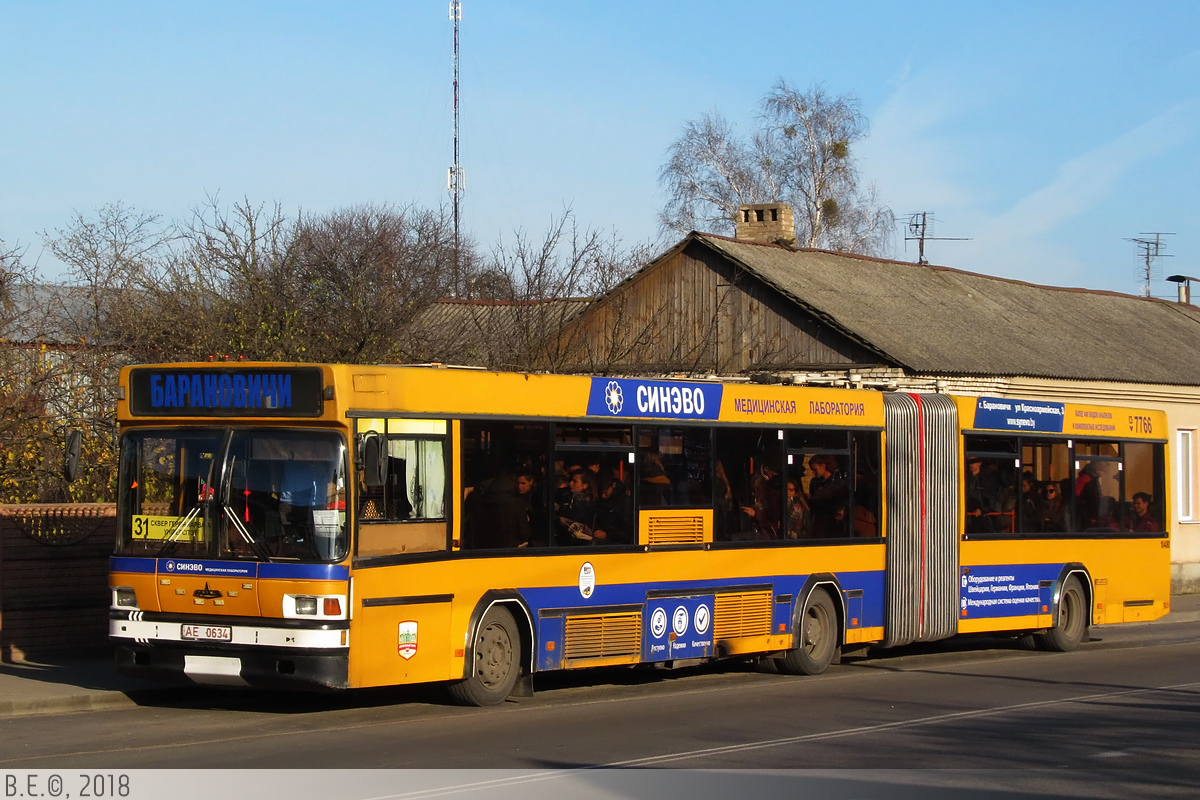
(937, 320)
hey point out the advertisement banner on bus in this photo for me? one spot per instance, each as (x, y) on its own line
(1006, 414)
(625, 397)
(1007, 590)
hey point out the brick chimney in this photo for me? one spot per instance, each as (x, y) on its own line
(768, 223)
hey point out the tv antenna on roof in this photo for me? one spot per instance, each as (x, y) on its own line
(1149, 250)
(920, 229)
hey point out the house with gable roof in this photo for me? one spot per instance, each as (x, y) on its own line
(754, 306)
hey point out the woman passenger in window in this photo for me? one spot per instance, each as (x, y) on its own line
(1056, 514)
(799, 517)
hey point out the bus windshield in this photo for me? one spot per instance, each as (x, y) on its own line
(233, 493)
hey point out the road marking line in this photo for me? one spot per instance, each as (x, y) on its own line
(867, 729)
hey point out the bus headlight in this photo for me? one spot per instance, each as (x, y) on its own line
(321, 606)
(124, 596)
(306, 605)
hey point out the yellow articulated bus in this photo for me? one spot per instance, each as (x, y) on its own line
(335, 526)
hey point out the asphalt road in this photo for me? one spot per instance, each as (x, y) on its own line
(1118, 718)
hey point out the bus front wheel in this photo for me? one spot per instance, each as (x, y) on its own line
(817, 638)
(496, 661)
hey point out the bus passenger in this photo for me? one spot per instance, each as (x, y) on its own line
(726, 509)
(1033, 504)
(1108, 518)
(533, 505)
(767, 508)
(827, 494)
(656, 484)
(1088, 496)
(983, 497)
(577, 517)
(1141, 520)
(1056, 516)
(501, 521)
(798, 514)
(614, 512)
(864, 522)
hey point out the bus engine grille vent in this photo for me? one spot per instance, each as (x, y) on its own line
(742, 614)
(603, 635)
(675, 529)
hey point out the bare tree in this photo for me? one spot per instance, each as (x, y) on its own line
(366, 272)
(96, 322)
(239, 276)
(800, 153)
(530, 288)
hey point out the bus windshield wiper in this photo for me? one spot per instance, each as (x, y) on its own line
(171, 541)
(258, 547)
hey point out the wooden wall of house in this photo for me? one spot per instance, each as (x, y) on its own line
(695, 311)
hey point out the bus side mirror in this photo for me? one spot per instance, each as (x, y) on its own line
(374, 460)
(71, 452)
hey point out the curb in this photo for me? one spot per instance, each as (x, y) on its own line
(100, 701)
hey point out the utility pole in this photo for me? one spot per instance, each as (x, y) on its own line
(456, 180)
(1149, 250)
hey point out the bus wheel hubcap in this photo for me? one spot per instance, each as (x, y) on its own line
(494, 655)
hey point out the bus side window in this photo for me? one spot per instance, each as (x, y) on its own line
(407, 513)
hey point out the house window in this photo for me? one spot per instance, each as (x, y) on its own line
(1184, 456)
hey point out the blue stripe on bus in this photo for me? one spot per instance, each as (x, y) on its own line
(870, 614)
(229, 569)
(215, 569)
(125, 564)
(304, 572)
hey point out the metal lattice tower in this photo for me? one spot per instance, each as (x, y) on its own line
(456, 180)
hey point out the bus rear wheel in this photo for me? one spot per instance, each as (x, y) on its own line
(1072, 624)
(817, 638)
(496, 661)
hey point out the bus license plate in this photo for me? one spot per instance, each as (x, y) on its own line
(207, 633)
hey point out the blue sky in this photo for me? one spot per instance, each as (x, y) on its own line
(1046, 133)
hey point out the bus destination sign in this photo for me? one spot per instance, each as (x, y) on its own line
(226, 392)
